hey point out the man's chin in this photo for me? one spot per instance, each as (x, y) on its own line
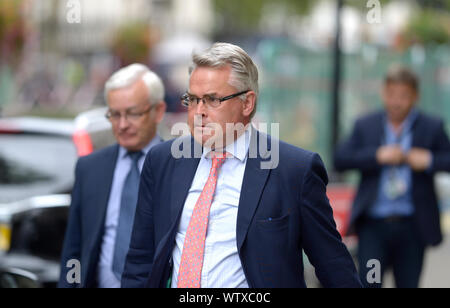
(201, 139)
(208, 141)
(397, 116)
(129, 145)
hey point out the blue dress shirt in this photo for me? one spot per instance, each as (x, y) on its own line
(401, 204)
(105, 275)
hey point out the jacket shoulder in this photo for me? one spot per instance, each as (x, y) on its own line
(168, 151)
(428, 119)
(370, 118)
(296, 158)
(165, 149)
(98, 156)
(294, 151)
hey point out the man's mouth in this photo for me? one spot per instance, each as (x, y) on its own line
(126, 135)
(203, 127)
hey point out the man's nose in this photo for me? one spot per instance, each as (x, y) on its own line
(201, 109)
(123, 122)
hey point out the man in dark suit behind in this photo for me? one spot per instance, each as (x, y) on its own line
(398, 151)
(228, 217)
(106, 184)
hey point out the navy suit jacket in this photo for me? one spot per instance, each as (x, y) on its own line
(293, 195)
(90, 196)
(359, 152)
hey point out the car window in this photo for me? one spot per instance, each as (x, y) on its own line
(39, 232)
(32, 165)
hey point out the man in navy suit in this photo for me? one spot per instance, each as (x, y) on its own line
(397, 151)
(217, 209)
(104, 196)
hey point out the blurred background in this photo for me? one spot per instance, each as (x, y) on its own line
(321, 65)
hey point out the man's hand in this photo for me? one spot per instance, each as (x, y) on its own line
(419, 159)
(390, 155)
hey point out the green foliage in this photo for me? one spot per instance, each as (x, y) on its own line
(429, 26)
(362, 4)
(12, 30)
(132, 43)
(245, 15)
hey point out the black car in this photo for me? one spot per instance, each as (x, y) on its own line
(37, 160)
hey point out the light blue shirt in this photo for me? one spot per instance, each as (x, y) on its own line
(105, 275)
(222, 266)
(402, 205)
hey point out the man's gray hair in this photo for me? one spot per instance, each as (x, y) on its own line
(244, 73)
(128, 75)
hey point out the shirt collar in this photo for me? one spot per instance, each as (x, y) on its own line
(412, 116)
(156, 140)
(239, 148)
(407, 123)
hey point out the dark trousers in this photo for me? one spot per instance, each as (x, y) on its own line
(394, 243)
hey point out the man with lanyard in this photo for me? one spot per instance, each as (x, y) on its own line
(398, 151)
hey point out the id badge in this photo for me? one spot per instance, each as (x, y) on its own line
(395, 187)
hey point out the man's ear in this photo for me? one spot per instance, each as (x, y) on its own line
(416, 98)
(160, 110)
(249, 104)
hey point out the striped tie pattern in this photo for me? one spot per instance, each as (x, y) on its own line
(126, 217)
(189, 274)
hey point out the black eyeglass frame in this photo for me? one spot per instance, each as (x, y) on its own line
(134, 115)
(185, 98)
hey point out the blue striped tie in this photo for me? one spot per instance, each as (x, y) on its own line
(127, 210)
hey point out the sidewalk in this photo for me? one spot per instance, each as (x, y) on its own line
(436, 271)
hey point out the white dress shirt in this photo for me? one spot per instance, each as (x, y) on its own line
(105, 275)
(222, 266)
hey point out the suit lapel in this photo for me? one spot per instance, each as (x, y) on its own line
(252, 187)
(416, 136)
(415, 128)
(98, 207)
(380, 130)
(104, 184)
(182, 178)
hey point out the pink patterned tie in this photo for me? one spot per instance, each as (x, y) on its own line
(189, 274)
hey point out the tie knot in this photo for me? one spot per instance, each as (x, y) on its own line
(218, 158)
(135, 156)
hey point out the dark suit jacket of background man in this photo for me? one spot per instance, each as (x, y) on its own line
(281, 212)
(359, 152)
(94, 175)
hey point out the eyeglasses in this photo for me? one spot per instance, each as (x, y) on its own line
(130, 116)
(211, 101)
